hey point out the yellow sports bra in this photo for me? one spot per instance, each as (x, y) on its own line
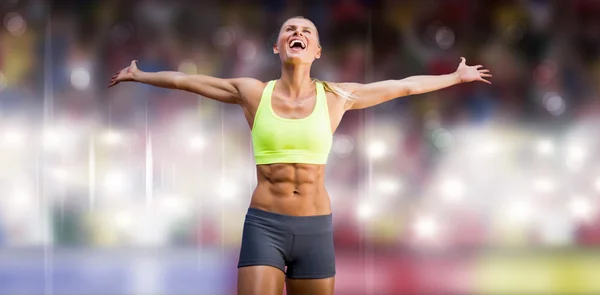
(280, 140)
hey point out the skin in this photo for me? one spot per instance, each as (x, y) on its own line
(295, 189)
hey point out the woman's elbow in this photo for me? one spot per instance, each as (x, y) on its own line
(409, 88)
(178, 81)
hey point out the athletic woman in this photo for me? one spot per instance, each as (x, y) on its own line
(287, 235)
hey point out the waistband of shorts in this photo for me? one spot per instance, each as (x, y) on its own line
(291, 224)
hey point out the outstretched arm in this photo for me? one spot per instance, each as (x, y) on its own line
(224, 90)
(368, 95)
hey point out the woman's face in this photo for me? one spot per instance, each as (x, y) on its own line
(298, 42)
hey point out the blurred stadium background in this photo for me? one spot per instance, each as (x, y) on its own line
(475, 189)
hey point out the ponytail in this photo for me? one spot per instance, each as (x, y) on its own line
(336, 90)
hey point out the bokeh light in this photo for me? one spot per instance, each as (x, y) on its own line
(376, 149)
(452, 189)
(581, 208)
(545, 147)
(227, 189)
(444, 37)
(427, 227)
(112, 137)
(544, 185)
(342, 145)
(554, 104)
(13, 136)
(197, 143)
(188, 67)
(364, 210)
(519, 211)
(15, 24)
(223, 37)
(115, 182)
(80, 78)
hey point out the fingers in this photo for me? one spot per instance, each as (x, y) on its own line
(478, 66)
(484, 71)
(485, 81)
(463, 60)
(113, 79)
(113, 83)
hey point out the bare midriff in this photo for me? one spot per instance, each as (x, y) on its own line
(291, 189)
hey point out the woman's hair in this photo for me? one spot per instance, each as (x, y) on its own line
(329, 87)
(333, 88)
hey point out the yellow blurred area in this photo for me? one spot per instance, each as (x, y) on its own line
(539, 273)
(19, 56)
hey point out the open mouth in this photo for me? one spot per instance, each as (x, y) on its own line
(297, 44)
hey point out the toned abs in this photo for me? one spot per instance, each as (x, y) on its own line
(291, 189)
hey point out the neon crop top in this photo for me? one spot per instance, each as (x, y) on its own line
(280, 140)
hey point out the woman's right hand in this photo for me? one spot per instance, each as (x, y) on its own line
(125, 74)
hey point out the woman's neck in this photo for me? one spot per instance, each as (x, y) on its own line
(295, 80)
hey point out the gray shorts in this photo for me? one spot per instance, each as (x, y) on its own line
(303, 244)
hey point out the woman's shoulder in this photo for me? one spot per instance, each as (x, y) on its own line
(250, 88)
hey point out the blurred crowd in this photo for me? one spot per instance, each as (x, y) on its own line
(512, 164)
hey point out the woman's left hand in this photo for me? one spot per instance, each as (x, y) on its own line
(471, 73)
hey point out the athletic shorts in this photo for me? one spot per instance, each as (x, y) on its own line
(303, 244)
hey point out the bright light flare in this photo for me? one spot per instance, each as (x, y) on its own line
(20, 201)
(115, 182)
(452, 189)
(580, 208)
(342, 145)
(112, 138)
(227, 189)
(376, 149)
(123, 220)
(197, 143)
(544, 185)
(175, 205)
(519, 211)
(364, 211)
(60, 174)
(55, 138)
(80, 78)
(389, 186)
(427, 227)
(545, 147)
(576, 152)
(575, 157)
(489, 147)
(13, 137)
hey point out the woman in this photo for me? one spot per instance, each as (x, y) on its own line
(292, 120)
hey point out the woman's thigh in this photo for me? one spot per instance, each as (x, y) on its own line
(310, 286)
(260, 280)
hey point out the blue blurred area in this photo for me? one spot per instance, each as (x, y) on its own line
(177, 271)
